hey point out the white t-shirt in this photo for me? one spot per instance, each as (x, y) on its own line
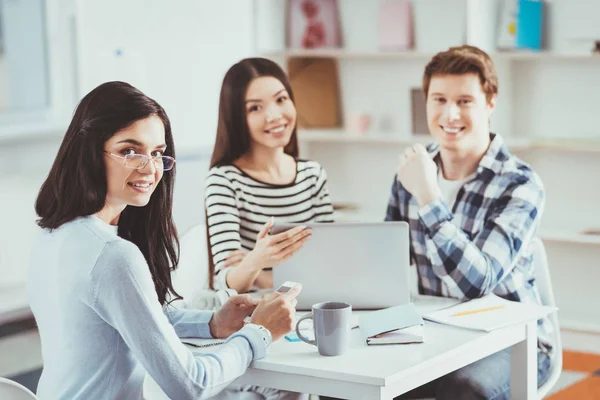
(449, 189)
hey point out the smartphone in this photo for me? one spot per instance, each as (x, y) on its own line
(286, 286)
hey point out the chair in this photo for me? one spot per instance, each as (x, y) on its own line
(544, 284)
(11, 390)
(190, 279)
(192, 271)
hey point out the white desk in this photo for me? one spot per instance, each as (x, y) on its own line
(383, 372)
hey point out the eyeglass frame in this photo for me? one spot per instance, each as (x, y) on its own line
(124, 158)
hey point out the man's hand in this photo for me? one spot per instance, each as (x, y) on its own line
(418, 174)
(230, 317)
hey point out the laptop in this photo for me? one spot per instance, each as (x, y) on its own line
(363, 264)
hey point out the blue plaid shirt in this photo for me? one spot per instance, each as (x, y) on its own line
(475, 248)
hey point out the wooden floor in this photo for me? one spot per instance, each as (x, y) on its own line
(584, 371)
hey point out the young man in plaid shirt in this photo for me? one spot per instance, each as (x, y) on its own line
(473, 208)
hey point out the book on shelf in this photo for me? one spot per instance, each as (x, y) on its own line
(395, 25)
(529, 24)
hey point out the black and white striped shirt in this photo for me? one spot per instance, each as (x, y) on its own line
(237, 206)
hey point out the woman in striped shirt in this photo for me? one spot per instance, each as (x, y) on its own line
(256, 178)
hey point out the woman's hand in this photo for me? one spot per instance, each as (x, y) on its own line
(230, 317)
(276, 312)
(264, 280)
(235, 258)
(271, 251)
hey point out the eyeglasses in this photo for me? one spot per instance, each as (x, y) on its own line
(139, 161)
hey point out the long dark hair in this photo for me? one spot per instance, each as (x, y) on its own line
(76, 185)
(233, 133)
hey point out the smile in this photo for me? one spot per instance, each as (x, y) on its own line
(277, 129)
(452, 131)
(141, 186)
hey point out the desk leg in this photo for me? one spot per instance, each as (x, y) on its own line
(523, 365)
(384, 394)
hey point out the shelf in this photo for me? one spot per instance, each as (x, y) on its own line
(573, 147)
(356, 214)
(343, 54)
(549, 235)
(544, 56)
(340, 136)
(524, 55)
(385, 138)
(391, 138)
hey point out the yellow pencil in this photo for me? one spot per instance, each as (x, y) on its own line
(460, 314)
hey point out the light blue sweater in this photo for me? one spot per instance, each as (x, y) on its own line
(101, 325)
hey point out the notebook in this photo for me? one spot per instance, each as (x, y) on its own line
(488, 313)
(393, 325)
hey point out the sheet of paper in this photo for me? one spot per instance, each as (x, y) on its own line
(489, 313)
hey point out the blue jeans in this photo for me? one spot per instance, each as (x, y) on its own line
(484, 379)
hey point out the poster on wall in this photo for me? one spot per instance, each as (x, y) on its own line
(313, 24)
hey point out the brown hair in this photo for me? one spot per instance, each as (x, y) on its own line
(76, 185)
(233, 133)
(463, 60)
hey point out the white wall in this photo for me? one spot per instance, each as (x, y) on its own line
(23, 167)
(177, 52)
(3, 80)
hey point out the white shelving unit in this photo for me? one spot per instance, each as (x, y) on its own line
(354, 213)
(515, 144)
(547, 113)
(564, 236)
(392, 138)
(342, 54)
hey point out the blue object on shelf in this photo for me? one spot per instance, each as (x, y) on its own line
(529, 24)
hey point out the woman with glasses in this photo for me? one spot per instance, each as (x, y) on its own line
(256, 178)
(100, 272)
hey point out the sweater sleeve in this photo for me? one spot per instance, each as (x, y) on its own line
(122, 293)
(223, 222)
(473, 267)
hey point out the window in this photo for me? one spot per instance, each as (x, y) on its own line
(24, 88)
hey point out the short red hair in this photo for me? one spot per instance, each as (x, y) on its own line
(464, 60)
